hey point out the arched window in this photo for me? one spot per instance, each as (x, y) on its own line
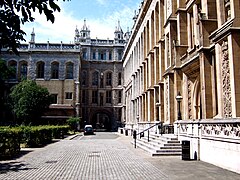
(84, 78)
(69, 70)
(95, 78)
(23, 70)
(40, 69)
(109, 79)
(13, 69)
(54, 70)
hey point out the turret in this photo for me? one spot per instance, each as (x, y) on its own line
(32, 37)
(85, 33)
(118, 33)
(32, 40)
(127, 35)
(77, 36)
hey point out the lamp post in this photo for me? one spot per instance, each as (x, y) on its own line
(179, 99)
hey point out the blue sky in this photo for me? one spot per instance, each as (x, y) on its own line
(101, 17)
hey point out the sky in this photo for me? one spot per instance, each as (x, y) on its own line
(101, 16)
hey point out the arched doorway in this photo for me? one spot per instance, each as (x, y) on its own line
(101, 121)
(197, 99)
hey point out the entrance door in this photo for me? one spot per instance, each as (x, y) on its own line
(101, 122)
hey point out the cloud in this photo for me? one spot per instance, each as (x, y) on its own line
(102, 2)
(63, 28)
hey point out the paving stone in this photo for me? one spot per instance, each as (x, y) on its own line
(102, 157)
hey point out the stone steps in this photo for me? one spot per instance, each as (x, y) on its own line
(160, 145)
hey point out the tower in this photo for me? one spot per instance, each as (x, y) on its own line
(85, 33)
(76, 38)
(32, 41)
(118, 33)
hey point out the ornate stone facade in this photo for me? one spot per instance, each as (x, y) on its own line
(189, 47)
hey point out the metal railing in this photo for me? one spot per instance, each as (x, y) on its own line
(135, 134)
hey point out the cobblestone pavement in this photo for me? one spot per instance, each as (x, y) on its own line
(103, 156)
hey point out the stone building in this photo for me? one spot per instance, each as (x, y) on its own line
(84, 77)
(181, 69)
(101, 78)
(54, 66)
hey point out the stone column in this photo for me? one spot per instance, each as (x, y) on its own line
(206, 86)
(234, 56)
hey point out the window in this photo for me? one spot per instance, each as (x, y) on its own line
(84, 78)
(119, 78)
(13, 68)
(68, 95)
(84, 55)
(69, 70)
(54, 70)
(94, 55)
(102, 56)
(119, 96)
(94, 96)
(54, 98)
(109, 79)
(23, 70)
(110, 55)
(119, 55)
(108, 96)
(95, 78)
(40, 69)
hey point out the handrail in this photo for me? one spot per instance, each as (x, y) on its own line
(140, 133)
(149, 128)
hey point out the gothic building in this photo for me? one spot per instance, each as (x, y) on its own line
(181, 69)
(101, 78)
(84, 78)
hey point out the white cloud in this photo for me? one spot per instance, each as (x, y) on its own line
(65, 23)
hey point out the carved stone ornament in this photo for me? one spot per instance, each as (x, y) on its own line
(189, 99)
(221, 130)
(166, 97)
(226, 82)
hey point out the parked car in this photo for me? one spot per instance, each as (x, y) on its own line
(88, 129)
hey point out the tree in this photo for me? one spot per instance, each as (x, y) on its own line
(5, 73)
(29, 101)
(14, 13)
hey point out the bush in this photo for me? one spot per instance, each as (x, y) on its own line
(36, 136)
(9, 142)
(74, 123)
(31, 136)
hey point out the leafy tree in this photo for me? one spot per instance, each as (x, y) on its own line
(14, 13)
(74, 123)
(5, 73)
(29, 101)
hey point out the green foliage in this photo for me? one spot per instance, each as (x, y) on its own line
(29, 101)
(31, 136)
(17, 12)
(9, 142)
(74, 122)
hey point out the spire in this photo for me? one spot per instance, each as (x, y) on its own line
(84, 25)
(127, 34)
(135, 16)
(118, 27)
(76, 31)
(32, 36)
(85, 32)
(76, 38)
(118, 33)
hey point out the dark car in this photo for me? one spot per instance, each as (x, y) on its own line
(88, 129)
